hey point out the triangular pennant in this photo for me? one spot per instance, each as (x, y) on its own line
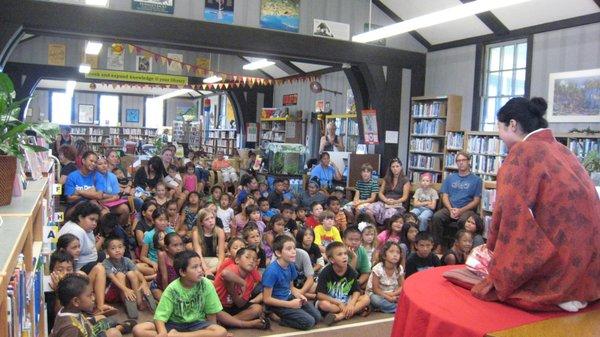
(131, 48)
(226, 85)
(156, 57)
(235, 78)
(188, 67)
(166, 60)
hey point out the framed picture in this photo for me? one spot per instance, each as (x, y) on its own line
(574, 96)
(143, 63)
(220, 11)
(132, 115)
(291, 99)
(369, 118)
(156, 6)
(280, 15)
(85, 114)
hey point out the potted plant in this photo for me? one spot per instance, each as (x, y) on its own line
(591, 162)
(13, 138)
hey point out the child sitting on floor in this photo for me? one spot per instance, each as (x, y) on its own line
(463, 241)
(385, 282)
(423, 258)
(326, 232)
(173, 244)
(338, 290)
(233, 245)
(161, 227)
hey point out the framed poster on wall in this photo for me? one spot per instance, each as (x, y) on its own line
(280, 15)
(85, 114)
(369, 119)
(157, 6)
(220, 11)
(291, 99)
(574, 96)
(132, 115)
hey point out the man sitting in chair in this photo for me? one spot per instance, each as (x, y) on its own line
(461, 194)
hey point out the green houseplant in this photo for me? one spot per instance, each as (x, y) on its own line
(591, 162)
(13, 138)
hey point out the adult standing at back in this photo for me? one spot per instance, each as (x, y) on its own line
(461, 194)
(545, 230)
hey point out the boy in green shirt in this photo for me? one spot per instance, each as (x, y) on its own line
(189, 304)
(357, 255)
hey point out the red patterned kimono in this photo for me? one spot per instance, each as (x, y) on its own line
(545, 229)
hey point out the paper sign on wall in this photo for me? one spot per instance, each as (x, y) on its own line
(331, 29)
(50, 234)
(369, 118)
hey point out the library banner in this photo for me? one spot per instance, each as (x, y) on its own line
(128, 76)
(370, 133)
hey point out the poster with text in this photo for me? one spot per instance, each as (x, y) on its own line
(220, 11)
(280, 15)
(381, 42)
(251, 132)
(116, 57)
(156, 6)
(369, 118)
(57, 54)
(174, 64)
(319, 105)
(143, 63)
(331, 29)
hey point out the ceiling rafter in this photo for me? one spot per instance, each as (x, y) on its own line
(491, 21)
(294, 67)
(390, 13)
(260, 71)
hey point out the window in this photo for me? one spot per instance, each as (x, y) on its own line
(109, 110)
(154, 113)
(61, 108)
(505, 68)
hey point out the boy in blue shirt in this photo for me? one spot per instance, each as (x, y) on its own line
(280, 295)
(266, 212)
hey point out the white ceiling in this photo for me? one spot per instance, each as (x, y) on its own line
(522, 15)
(273, 71)
(309, 67)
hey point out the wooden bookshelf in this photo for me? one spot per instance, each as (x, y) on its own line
(430, 120)
(455, 141)
(190, 133)
(221, 139)
(99, 137)
(580, 143)
(487, 152)
(280, 130)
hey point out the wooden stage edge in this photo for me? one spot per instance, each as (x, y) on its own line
(585, 324)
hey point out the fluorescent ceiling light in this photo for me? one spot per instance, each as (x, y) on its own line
(174, 94)
(93, 48)
(70, 88)
(213, 79)
(84, 68)
(99, 3)
(262, 63)
(435, 18)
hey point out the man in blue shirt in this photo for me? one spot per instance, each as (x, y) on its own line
(461, 194)
(326, 171)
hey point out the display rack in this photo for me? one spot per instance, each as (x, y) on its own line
(430, 119)
(487, 152)
(98, 137)
(190, 133)
(280, 130)
(221, 139)
(347, 127)
(22, 259)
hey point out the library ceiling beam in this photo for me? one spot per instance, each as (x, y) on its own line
(491, 21)
(390, 13)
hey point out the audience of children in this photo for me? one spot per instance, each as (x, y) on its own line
(178, 252)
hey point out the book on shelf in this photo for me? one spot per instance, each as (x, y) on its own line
(581, 147)
(483, 164)
(487, 145)
(450, 160)
(487, 221)
(416, 176)
(429, 127)
(455, 140)
(488, 199)
(429, 109)
(425, 162)
(425, 144)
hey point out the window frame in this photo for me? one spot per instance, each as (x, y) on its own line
(51, 117)
(119, 102)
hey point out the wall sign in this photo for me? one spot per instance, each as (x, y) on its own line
(157, 6)
(369, 118)
(291, 99)
(132, 116)
(280, 15)
(128, 76)
(220, 11)
(85, 114)
(331, 29)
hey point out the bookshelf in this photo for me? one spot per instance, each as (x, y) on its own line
(430, 119)
(455, 141)
(98, 137)
(488, 201)
(221, 139)
(487, 152)
(347, 127)
(280, 130)
(190, 133)
(581, 144)
(22, 261)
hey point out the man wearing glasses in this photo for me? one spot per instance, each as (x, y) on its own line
(461, 193)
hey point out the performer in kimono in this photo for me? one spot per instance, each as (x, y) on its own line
(545, 232)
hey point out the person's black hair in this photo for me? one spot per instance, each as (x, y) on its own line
(251, 226)
(108, 223)
(246, 180)
(331, 199)
(172, 202)
(147, 204)
(250, 209)
(333, 245)
(280, 241)
(84, 209)
(87, 154)
(408, 215)
(274, 220)
(351, 229)
(187, 199)
(528, 113)
(285, 206)
(404, 232)
(111, 239)
(323, 154)
(157, 165)
(278, 180)
(424, 236)
(313, 204)
(156, 240)
(212, 189)
(233, 240)
(158, 212)
(363, 217)
(478, 223)
(243, 250)
(311, 163)
(65, 240)
(168, 238)
(70, 287)
(386, 246)
(182, 260)
(60, 256)
(300, 235)
(262, 199)
(459, 234)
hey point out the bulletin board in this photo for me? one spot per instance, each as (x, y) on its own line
(355, 161)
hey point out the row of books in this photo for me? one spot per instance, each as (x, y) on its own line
(425, 162)
(487, 221)
(273, 136)
(429, 127)
(450, 160)
(581, 147)
(455, 140)
(433, 109)
(488, 199)
(483, 164)
(23, 288)
(416, 176)
(222, 134)
(486, 145)
(425, 144)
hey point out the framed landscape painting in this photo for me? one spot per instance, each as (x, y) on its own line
(574, 96)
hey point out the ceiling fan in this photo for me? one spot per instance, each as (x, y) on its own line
(316, 87)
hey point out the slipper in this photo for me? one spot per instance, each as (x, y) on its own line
(128, 326)
(266, 322)
(131, 308)
(107, 312)
(329, 319)
(151, 301)
(366, 311)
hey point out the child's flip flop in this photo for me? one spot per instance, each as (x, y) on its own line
(131, 307)
(151, 301)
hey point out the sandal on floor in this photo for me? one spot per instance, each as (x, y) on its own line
(151, 301)
(329, 319)
(131, 308)
(128, 326)
(366, 311)
(266, 322)
(106, 312)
